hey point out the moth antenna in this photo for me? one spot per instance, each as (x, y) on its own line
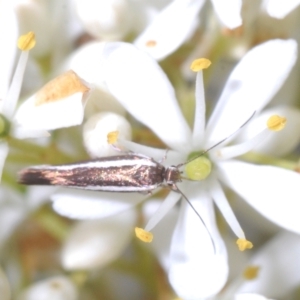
(218, 143)
(175, 188)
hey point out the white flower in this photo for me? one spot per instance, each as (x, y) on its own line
(60, 103)
(140, 85)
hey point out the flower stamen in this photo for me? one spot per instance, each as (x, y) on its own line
(143, 235)
(244, 244)
(112, 137)
(200, 64)
(242, 148)
(276, 123)
(27, 41)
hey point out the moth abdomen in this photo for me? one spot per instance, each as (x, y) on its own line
(37, 176)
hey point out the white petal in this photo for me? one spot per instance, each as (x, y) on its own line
(53, 115)
(251, 85)
(277, 143)
(87, 62)
(59, 103)
(105, 19)
(139, 83)
(94, 244)
(20, 132)
(270, 190)
(96, 129)
(172, 27)
(55, 288)
(196, 269)
(229, 12)
(79, 204)
(279, 267)
(9, 36)
(278, 8)
(4, 286)
(4, 149)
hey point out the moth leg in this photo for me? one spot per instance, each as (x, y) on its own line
(163, 159)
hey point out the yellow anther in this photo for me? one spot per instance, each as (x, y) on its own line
(251, 272)
(200, 64)
(151, 43)
(112, 137)
(243, 244)
(143, 235)
(198, 169)
(27, 41)
(276, 123)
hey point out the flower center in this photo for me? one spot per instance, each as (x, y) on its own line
(199, 168)
(4, 126)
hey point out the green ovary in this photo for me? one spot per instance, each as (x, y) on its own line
(199, 168)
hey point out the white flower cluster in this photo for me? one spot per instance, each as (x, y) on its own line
(110, 78)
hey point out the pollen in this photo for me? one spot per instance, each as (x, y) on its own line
(251, 272)
(276, 123)
(198, 169)
(151, 43)
(112, 137)
(143, 235)
(27, 41)
(244, 244)
(61, 87)
(200, 64)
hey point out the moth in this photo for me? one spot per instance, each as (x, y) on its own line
(131, 172)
